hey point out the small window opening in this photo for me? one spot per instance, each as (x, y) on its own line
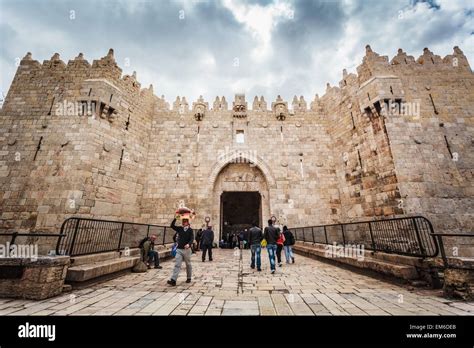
(240, 137)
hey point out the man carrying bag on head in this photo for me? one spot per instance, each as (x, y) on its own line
(184, 238)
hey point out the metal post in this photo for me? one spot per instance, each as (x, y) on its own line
(164, 235)
(14, 235)
(371, 236)
(418, 238)
(60, 236)
(443, 252)
(74, 237)
(326, 235)
(120, 238)
(312, 233)
(343, 237)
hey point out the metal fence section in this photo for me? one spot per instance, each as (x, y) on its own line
(89, 236)
(27, 238)
(411, 236)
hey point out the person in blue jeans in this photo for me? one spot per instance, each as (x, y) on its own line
(255, 237)
(148, 253)
(271, 235)
(289, 242)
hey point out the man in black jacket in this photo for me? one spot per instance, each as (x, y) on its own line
(255, 237)
(271, 235)
(199, 236)
(207, 239)
(184, 237)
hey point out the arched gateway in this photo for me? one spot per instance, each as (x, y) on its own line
(240, 193)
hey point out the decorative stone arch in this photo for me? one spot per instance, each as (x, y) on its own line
(257, 177)
(240, 156)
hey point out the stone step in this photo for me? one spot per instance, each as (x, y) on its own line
(402, 271)
(380, 255)
(92, 258)
(91, 267)
(93, 270)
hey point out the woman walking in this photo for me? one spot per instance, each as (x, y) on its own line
(280, 242)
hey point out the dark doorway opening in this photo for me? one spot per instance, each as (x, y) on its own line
(238, 211)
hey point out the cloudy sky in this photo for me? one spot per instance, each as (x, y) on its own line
(258, 47)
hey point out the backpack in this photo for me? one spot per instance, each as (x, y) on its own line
(140, 245)
(292, 239)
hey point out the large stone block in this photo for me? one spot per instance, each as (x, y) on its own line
(34, 279)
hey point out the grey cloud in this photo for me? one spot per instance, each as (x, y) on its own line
(195, 55)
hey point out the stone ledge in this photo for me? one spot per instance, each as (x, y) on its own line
(382, 256)
(96, 269)
(34, 279)
(96, 266)
(99, 257)
(92, 258)
(458, 277)
(401, 271)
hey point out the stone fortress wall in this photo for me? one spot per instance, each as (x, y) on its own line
(80, 139)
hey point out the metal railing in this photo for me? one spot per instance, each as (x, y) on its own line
(439, 237)
(410, 236)
(15, 235)
(90, 236)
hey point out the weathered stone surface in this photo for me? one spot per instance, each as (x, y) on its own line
(395, 269)
(458, 283)
(308, 287)
(458, 277)
(41, 278)
(113, 150)
(94, 270)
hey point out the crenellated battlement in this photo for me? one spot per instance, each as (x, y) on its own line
(77, 68)
(374, 64)
(367, 87)
(35, 76)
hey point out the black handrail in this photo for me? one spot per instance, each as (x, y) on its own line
(410, 236)
(85, 236)
(14, 235)
(440, 236)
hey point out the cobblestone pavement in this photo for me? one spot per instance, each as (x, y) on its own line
(228, 286)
